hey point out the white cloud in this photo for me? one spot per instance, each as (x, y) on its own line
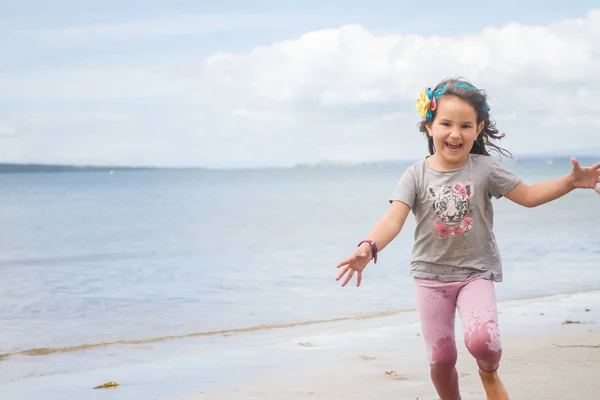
(345, 94)
(542, 83)
(352, 65)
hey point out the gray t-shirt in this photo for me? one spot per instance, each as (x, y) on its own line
(454, 238)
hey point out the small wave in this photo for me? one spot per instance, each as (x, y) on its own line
(44, 351)
(50, 260)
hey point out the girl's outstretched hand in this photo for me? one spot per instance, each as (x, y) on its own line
(585, 178)
(356, 263)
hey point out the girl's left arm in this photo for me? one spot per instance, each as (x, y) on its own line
(545, 192)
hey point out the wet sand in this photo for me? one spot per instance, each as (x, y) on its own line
(380, 357)
(554, 360)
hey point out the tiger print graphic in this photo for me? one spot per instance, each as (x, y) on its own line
(453, 209)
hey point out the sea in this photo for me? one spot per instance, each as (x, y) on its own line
(137, 270)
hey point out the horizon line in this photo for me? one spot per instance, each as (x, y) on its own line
(323, 163)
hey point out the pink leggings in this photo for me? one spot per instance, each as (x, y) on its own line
(475, 300)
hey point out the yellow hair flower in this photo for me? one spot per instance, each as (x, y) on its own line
(423, 103)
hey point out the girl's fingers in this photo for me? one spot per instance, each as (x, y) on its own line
(350, 275)
(342, 272)
(346, 261)
(575, 163)
(349, 266)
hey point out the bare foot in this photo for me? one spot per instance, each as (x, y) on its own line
(494, 388)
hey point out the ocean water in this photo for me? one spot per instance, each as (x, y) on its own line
(92, 263)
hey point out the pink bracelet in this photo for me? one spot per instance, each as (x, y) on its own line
(373, 249)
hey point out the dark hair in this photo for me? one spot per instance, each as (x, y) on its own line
(478, 99)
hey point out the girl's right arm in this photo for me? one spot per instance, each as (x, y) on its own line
(389, 226)
(384, 231)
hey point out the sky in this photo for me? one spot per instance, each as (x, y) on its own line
(274, 83)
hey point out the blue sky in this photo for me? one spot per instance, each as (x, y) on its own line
(235, 83)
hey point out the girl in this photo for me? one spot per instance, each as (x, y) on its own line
(455, 259)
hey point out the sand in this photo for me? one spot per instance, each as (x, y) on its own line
(534, 367)
(555, 361)
(381, 357)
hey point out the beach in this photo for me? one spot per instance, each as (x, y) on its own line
(534, 368)
(551, 351)
(159, 281)
(181, 183)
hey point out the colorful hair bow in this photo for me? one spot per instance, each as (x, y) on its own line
(427, 101)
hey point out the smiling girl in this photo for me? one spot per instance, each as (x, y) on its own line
(455, 258)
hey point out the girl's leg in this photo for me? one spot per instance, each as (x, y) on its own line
(436, 304)
(478, 311)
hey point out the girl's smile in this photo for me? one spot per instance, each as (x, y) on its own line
(454, 130)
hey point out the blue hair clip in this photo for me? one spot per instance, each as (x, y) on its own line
(461, 85)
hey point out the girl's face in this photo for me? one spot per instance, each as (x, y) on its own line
(454, 130)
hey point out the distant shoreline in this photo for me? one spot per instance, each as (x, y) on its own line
(55, 168)
(20, 168)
